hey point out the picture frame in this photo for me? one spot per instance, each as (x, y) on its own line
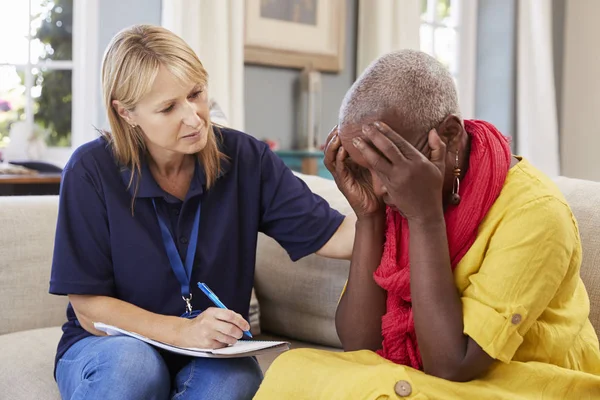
(296, 33)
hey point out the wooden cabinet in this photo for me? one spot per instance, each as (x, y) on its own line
(29, 185)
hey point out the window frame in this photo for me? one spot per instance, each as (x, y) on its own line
(84, 79)
(466, 29)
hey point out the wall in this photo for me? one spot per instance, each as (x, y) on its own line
(558, 51)
(581, 91)
(495, 85)
(270, 93)
(496, 61)
(113, 16)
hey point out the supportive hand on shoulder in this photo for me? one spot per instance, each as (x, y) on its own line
(352, 180)
(212, 329)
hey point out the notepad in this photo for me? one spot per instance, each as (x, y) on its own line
(243, 348)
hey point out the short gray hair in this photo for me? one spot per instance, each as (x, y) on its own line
(407, 81)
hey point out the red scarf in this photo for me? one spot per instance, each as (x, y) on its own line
(488, 166)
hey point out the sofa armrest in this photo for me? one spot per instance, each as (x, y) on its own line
(584, 199)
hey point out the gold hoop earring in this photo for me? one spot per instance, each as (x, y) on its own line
(455, 198)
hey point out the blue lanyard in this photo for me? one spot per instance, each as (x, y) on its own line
(183, 273)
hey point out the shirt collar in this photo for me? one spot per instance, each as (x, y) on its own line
(148, 188)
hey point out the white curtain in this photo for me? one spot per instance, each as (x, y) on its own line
(537, 124)
(384, 26)
(215, 30)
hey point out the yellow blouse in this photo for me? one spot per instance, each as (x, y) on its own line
(523, 302)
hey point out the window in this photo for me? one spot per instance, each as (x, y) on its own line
(448, 32)
(36, 69)
(49, 73)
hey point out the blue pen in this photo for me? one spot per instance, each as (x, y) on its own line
(213, 297)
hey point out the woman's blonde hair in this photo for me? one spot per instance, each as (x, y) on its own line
(129, 68)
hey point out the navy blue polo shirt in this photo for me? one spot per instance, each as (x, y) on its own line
(102, 249)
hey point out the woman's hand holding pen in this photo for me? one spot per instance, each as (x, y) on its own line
(212, 329)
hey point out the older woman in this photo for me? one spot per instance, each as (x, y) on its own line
(161, 202)
(466, 258)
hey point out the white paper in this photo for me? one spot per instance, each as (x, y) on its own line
(243, 348)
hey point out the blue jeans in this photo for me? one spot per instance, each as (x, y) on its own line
(121, 367)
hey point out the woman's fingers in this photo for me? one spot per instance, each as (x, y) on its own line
(332, 133)
(340, 167)
(226, 332)
(231, 317)
(395, 144)
(331, 150)
(219, 327)
(376, 161)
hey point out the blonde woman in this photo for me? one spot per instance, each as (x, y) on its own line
(163, 201)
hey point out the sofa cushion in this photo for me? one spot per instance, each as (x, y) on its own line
(27, 231)
(27, 364)
(265, 360)
(584, 199)
(299, 300)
